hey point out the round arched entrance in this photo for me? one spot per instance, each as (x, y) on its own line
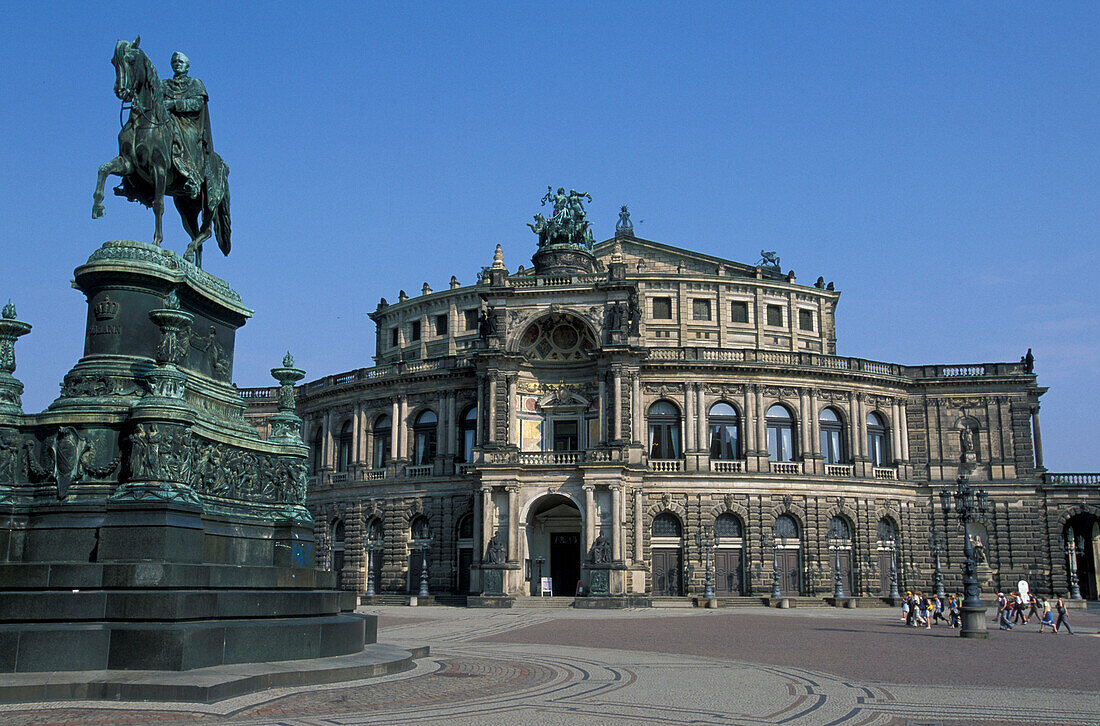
(554, 545)
(1082, 537)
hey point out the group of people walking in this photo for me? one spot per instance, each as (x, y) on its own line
(922, 611)
(1014, 608)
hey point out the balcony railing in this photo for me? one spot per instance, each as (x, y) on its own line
(466, 469)
(339, 477)
(1072, 478)
(881, 472)
(666, 465)
(417, 471)
(838, 470)
(373, 474)
(785, 467)
(727, 466)
(551, 458)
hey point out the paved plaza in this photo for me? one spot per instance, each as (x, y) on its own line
(730, 666)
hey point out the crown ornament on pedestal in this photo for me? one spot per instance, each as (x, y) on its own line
(105, 309)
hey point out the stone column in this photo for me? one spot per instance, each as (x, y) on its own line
(492, 410)
(486, 518)
(452, 425)
(748, 426)
(701, 415)
(617, 402)
(895, 430)
(806, 426)
(480, 409)
(903, 424)
(395, 412)
(403, 446)
(357, 432)
(853, 426)
(603, 410)
(480, 538)
(589, 519)
(513, 412)
(636, 417)
(1038, 437)
(513, 523)
(761, 422)
(815, 424)
(442, 424)
(861, 424)
(638, 520)
(689, 427)
(616, 523)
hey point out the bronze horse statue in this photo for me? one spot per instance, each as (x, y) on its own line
(144, 161)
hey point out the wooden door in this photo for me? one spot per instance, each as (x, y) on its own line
(465, 561)
(414, 572)
(884, 562)
(727, 572)
(790, 572)
(666, 572)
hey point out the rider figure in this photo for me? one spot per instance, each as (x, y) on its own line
(185, 98)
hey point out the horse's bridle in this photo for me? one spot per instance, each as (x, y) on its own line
(134, 104)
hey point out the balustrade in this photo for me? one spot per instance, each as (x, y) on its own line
(727, 467)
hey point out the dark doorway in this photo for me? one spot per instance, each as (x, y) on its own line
(376, 569)
(465, 561)
(845, 571)
(727, 573)
(790, 568)
(884, 562)
(565, 562)
(666, 572)
(1085, 530)
(415, 559)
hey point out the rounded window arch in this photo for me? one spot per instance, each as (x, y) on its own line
(725, 432)
(887, 533)
(343, 447)
(557, 338)
(840, 531)
(728, 526)
(425, 437)
(878, 438)
(420, 528)
(664, 431)
(467, 434)
(374, 531)
(381, 432)
(786, 527)
(667, 524)
(465, 529)
(781, 434)
(834, 444)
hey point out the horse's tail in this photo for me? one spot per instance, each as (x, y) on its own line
(222, 226)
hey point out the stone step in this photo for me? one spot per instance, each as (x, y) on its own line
(91, 575)
(544, 602)
(138, 605)
(672, 602)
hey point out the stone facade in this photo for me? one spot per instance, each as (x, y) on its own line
(595, 422)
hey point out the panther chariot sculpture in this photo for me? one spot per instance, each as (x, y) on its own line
(165, 148)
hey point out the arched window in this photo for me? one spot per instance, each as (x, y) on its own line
(424, 432)
(664, 431)
(724, 432)
(887, 533)
(343, 448)
(316, 447)
(840, 531)
(420, 528)
(833, 444)
(374, 531)
(728, 526)
(786, 527)
(877, 450)
(466, 527)
(666, 524)
(468, 433)
(381, 432)
(780, 434)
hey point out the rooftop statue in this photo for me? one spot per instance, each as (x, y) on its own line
(165, 148)
(568, 224)
(624, 227)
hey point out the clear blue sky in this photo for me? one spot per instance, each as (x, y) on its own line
(939, 163)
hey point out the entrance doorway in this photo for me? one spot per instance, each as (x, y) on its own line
(554, 541)
(789, 562)
(1085, 531)
(727, 572)
(666, 572)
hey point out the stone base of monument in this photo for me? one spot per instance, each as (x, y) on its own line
(611, 602)
(206, 685)
(144, 524)
(490, 601)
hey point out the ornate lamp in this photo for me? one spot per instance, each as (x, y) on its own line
(706, 539)
(968, 505)
(832, 541)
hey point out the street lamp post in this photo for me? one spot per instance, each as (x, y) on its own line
(894, 594)
(424, 569)
(777, 593)
(538, 569)
(832, 541)
(707, 540)
(969, 505)
(373, 546)
(1069, 546)
(936, 545)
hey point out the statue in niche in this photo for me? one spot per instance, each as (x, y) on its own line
(495, 552)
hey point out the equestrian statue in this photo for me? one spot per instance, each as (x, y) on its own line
(165, 148)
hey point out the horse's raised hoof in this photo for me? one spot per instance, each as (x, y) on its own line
(98, 211)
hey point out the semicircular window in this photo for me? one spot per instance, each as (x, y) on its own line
(557, 338)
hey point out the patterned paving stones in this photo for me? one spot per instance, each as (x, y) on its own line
(749, 666)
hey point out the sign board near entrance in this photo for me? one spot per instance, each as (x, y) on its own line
(546, 586)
